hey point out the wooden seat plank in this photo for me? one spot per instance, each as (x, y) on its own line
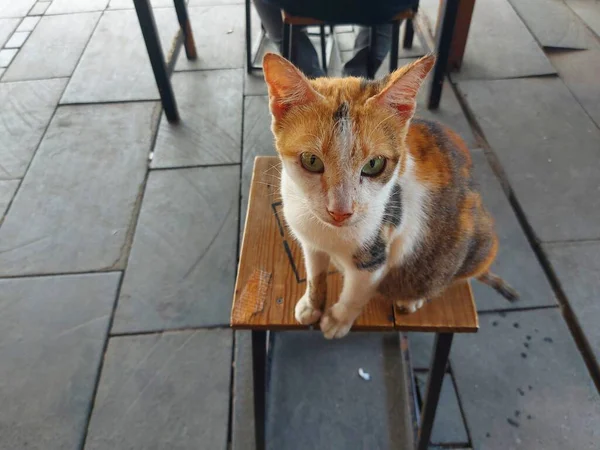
(271, 276)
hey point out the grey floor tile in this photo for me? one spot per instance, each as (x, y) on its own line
(76, 6)
(26, 110)
(219, 32)
(448, 426)
(6, 57)
(167, 391)
(52, 331)
(116, 62)
(523, 384)
(449, 112)
(1, 72)
(500, 46)
(75, 206)
(315, 386)
(11, 8)
(258, 141)
(421, 347)
(214, 2)
(7, 191)
(579, 71)
(7, 26)
(17, 39)
(39, 8)
(53, 48)
(548, 148)
(552, 23)
(183, 261)
(588, 11)
(254, 84)
(210, 106)
(28, 23)
(242, 413)
(577, 266)
(128, 4)
(516, 262)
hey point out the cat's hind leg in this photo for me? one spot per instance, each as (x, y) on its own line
(409, 307)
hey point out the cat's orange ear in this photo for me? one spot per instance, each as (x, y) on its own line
(288, 87)
(401, 90)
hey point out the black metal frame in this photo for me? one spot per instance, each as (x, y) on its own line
(444, 37)
(156, 55)
(437, 369)
(286, 46)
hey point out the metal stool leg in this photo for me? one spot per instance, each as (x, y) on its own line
(444, 42)
(157, 58)
(371, 55)
(394, 49)
(186, 29)
(259, 361)
(286, 44)
(439, 361)
(323, 48)
(409, 33)
(249, 61)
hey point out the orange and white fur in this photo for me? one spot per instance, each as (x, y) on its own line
(389, 199)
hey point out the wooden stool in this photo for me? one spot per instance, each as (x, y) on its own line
(271, 278)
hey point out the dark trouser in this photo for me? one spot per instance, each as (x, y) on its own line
(304, 53)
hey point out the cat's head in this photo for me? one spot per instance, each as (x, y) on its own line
(342, 140)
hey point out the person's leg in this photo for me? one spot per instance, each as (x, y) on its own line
(357, 65)
(304, 53)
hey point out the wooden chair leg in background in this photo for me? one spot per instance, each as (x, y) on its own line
(444, 36)
(157, 58)
(186, 29)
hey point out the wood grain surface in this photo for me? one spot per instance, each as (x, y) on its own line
(271, 276)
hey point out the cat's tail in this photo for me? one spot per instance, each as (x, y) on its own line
(499, 285)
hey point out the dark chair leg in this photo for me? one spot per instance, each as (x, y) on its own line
(186, 29)
(395, 44)
(323, 48)
(249, 61)
(371, 55)
(157, 58)
(286, 44)
(259, 361)
(409, 34)
(444, 42)
(437, 369)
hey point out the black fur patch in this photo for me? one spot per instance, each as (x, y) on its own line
(342, 112)
(372, 256)
(393, 208)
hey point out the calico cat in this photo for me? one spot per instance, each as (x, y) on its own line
(388, 198)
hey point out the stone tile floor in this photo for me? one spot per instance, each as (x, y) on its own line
(119, 234)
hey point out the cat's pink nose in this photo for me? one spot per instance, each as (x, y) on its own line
(339, 216)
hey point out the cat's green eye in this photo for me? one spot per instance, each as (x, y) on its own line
(312, 163)
(374, 167)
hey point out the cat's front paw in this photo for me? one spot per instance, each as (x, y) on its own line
(337, 321)
(305, 313)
